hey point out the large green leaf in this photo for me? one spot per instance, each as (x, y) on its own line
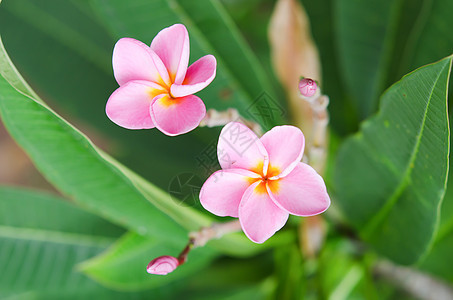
(430, 39)
(381, 41)
(123, 265)
(391, 176)
(42, 238)
(421, 36)
(440, 259)
(69, 161)
(365, 37)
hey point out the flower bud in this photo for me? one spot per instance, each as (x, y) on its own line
(162, 265)
(307, 87)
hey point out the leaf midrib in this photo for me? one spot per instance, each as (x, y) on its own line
(379, 217)
(54, 236)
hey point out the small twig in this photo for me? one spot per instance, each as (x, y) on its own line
(414, 282)
(215, 118)
(313, 229)
(165, 264)
(205, 234)
(311, 235)
(317, 147)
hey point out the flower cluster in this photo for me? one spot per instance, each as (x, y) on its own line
(262, 180)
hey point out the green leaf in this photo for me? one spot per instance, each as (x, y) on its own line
(439, 260)
(42, 237)
(30, 209)
(291, 283)
(81, 38)
(232, 278)
(123, 266)
(430, 39)
(391, 176)
(240, 78)
(365, 34)
(341, 281)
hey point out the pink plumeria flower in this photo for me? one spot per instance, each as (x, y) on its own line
(162, 265)
(262, 180)
(156, 86)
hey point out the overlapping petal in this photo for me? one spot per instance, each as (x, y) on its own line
(129, 105)
(175, 116)
(302, 192)
(260, 218)
(172, 46)
(223, 191)
(199, 75)
(285, 146)
(239, 147)
(133, 60)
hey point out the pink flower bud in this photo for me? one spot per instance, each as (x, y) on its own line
(162, 265)
(307, 87)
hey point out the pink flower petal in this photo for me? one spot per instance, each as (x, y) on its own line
(302, 192)
(171, 44)
(174, 116)
(239, 147)
(285, 146)
(129, 105)
(260, 218)
(223, 191)
(162, 265)
(133, 60)
(199, 75)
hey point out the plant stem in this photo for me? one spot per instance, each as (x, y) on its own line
(205, 234)
(418, 284)
(317, 146)
(215, 118)
(312, 229)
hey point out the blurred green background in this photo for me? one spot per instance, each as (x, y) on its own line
(63, 49)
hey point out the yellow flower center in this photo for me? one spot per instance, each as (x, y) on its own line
(265, 179)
